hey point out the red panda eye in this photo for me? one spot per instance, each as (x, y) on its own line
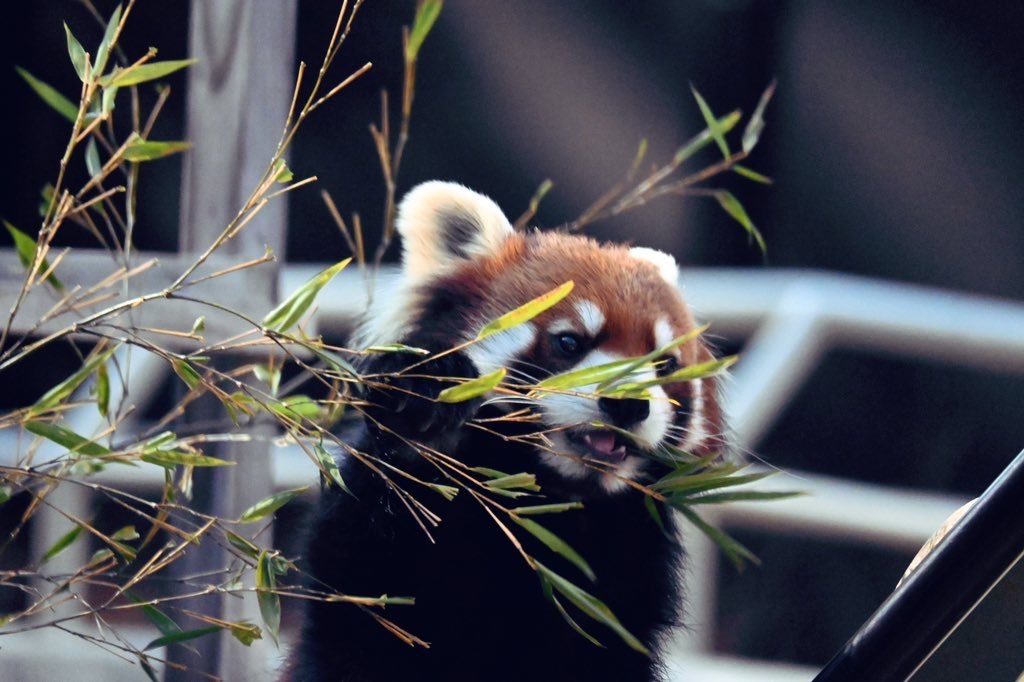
(569, 345)
(667, 364)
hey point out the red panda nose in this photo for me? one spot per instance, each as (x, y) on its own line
(624, 412)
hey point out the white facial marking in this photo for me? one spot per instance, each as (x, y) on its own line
(663, 334)
(500, 350)
(590, 316)
(696, 429)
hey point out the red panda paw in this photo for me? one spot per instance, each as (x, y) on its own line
(402, 397)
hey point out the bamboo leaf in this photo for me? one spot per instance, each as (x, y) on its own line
(269, 505)
(472, 389)
(698, 371)
(290, 311)
(61, 391)
(139, 149)
(705, 137)
(426, 15)
(527, 311)
(556, 545)
(133, 75)
(76, 444)
(58, 102)
(172, 458)
(712, 123)
(62, 543)
(77, 54)
(330, 467)
(245, 632)
(102, 390)
(752, 133)
(591, 606)
(186, 372)
(92, 158)
(269, 601)
(743, 496)
(26, 247)
(103, 51)
(555, 508)
(183, 636)
(750, 174)
(735, 209)
(733, 550)
(164, 623)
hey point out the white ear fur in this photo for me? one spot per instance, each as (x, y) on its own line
(665, 263)
(442, 223)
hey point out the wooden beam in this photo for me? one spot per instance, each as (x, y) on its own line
(238, 97)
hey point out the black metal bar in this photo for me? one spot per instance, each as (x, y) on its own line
(920, 614)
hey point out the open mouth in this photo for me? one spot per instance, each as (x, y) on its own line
(600, 443)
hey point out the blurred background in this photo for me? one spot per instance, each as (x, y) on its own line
(895, 148)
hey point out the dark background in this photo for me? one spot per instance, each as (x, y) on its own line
(894, 141)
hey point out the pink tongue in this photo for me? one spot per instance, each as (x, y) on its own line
(601, 442)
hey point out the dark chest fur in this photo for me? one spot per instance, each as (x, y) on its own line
(477, 602)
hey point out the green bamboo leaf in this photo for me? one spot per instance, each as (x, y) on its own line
(269, 505)
(750, 174)
(77, 53)
(164, 623)
(555, 508)
(586, 376)
(271, 376)
(698, 371)
(290, 311)
(92, 158)
(245, 632)
(591, 606)
(58, 102)
(282, 174)
(26, 247)
(743, 496)
(269, 601)
(735, 209)
(102, 390)
(62, 543)
(526, 312)
(472, 389)
(296, 408)
(752, 133)
(172, 458)
(396, 348)
(549, 594)
(556, 545)
(712, 123)
(126, 534)
(329, 466)
(733, 550)
(61, 391)
(522, 481)
(426, 14)
(103, 51)
(705, 137)
(133, 75)
(183, 636)
(76, 444)
(242, 544)
(139, 149)
(186, 372)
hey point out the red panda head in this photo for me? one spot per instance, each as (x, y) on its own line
(464, 265)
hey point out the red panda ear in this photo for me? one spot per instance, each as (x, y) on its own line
(444, 223)
(665, 263)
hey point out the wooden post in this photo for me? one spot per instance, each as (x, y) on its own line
(238, 97)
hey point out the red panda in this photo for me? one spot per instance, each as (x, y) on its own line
(477, 603)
